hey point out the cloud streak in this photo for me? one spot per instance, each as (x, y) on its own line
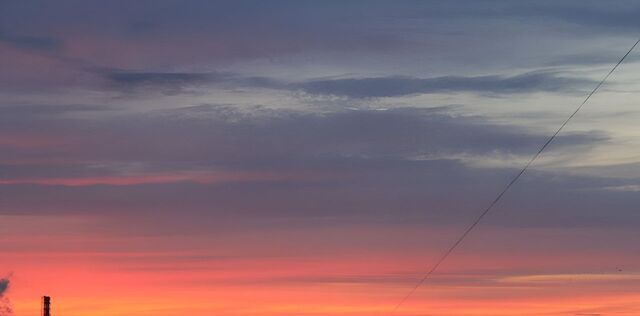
(198, 177)
(401, 86)
(373, 87)
(32, 43)
(229, 138)
(294, 165)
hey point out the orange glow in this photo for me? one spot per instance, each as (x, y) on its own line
(95, 288)
(239, 276)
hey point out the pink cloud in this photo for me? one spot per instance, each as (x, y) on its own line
(206, 177)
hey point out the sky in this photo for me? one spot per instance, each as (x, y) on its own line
(316, 158)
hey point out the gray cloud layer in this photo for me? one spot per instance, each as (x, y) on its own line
(382, 166)
(225, 136)
(162, 36)
(376, 165)
(355, 87)
(36, 43)
(399, 86)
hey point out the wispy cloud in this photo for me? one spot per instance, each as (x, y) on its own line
(373, 87)
(34, 43)
(563, 278)
(200, 177)
(400, 86)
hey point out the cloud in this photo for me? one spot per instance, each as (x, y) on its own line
(150, 32)
(200, 177)
(624, 188)
(136, 78)
(31, 111)
(159, 40)
(595, 16)
(563, 278)
(167, 82)
(400, 86)
(397, 166)
(232, 138)
(33, 43)
(181, 82)
(392, 86)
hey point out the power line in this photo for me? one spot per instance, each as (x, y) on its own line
(511, 183)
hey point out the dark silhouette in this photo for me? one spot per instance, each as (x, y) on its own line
(46, 306)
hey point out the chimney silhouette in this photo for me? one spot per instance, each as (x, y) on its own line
(46, 306)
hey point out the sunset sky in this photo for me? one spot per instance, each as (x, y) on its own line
(316, 158)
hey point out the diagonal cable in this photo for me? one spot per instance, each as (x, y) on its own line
(495, 201)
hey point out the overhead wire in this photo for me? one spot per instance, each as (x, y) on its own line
(513, 181)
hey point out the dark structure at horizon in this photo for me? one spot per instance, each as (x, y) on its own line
(46, 306)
